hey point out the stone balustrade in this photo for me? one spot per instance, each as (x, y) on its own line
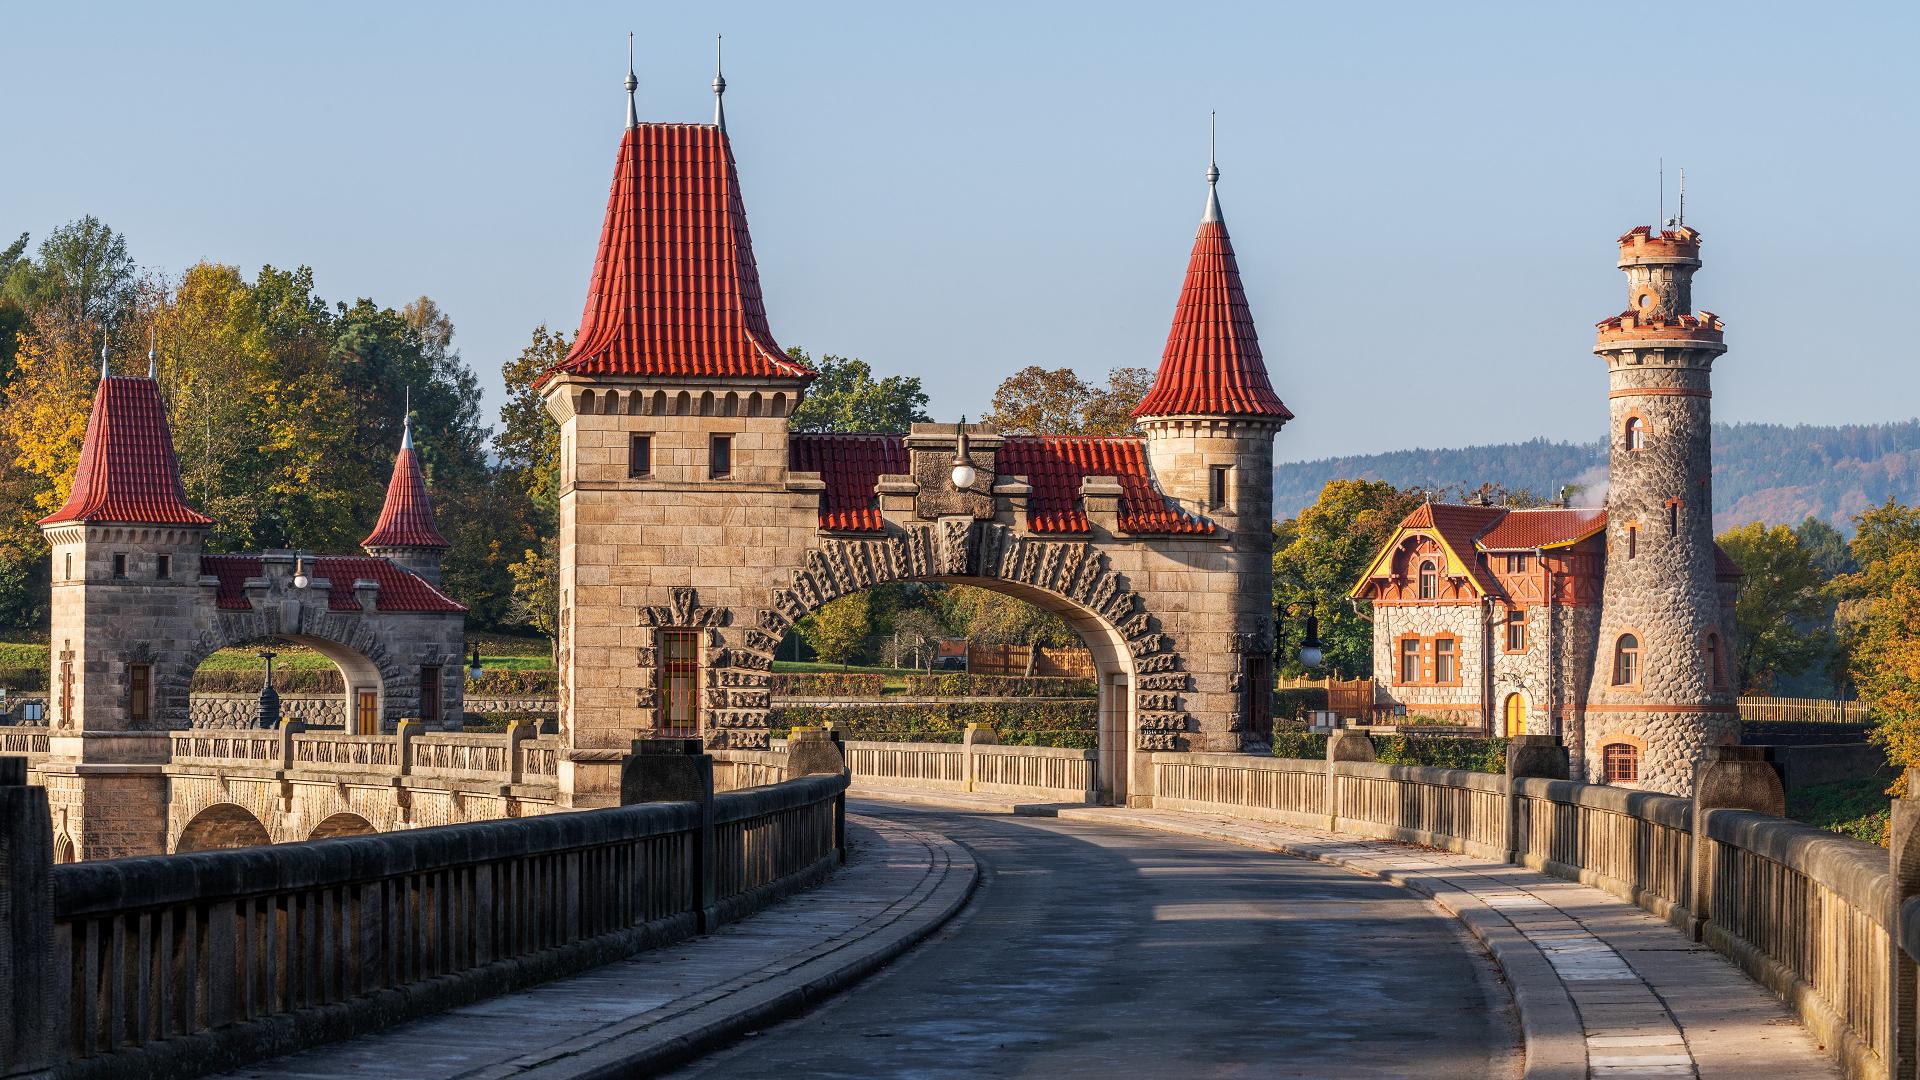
(515, 757)
(173, 966)
(978, 764)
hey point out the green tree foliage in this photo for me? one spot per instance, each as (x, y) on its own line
(846, 397)
(1317, 559)
(1039, 401)
(1827, 547)
(999, 619)
(1780, 620)
(837, 631)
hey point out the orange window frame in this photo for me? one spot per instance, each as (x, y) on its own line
(679, 708)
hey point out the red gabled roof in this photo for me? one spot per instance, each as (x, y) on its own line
(1724, 568)
(128, 473)
(851, 465)
(1055, 465)
(1212, 363)
(674, 290)
(400, 588)
(1460, 529)
(406, 519)
(1529, 530)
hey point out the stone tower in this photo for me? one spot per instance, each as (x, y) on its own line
(1210, 419)
(126, 580)
(406, 532)
(1662, 692)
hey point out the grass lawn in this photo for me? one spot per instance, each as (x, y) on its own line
(497, 652)
(1856, 808)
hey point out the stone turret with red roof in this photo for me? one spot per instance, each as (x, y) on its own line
(406, 532)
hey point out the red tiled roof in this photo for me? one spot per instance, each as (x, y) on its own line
(1543, 528)
(674, 288)
(406, 519)
(1055, 465)
(400, 589)
(851, 465)
(1212, 363)
(1460, 528)
(127, 472)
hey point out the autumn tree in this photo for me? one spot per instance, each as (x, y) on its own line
(1780, 618)
(1317, 559)
(846, 397)
(1882, 625)
(1039, 401)
(999, 619)
(528, 449)
(838, 629)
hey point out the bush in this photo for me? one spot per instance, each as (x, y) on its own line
(1442, 752)
(1070, 724)
(238, 681)
(1856, 808)
(1298, 742)
(1296, 704)
(23, 679)
(959, 684)
(828, 684)
(514, 682)
(496, 723)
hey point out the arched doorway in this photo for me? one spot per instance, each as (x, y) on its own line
(347, 690)
(222, 826)
(343, 823)
(1514, 715)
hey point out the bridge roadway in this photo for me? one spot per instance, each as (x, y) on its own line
(1098, 950)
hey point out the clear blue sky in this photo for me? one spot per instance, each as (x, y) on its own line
(1424, 197)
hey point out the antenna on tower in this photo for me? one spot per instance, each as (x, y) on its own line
(1663, 191)
(1680, 215)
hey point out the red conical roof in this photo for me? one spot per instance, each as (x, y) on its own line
(128, 474)
(407, 518)
(1212, 364)
(674, 289)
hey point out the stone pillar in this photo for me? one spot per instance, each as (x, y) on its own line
(1342, 745)
(1529, 756)
(1903, 995)
(975, 735)
(1731, 778)
(678, 770)
(26, 922)
(813, 751)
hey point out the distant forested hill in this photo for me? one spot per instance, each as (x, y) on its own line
(1761, 472)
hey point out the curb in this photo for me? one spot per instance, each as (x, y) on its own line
(707, 1026)
(1556, 1047)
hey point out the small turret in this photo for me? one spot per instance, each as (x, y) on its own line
(406, 532)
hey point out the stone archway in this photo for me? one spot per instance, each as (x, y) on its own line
(344, 823)
(221, 826)
(1142, 676)
(366, 666)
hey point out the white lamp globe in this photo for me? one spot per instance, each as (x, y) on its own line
(964, 475)
(1311, 656)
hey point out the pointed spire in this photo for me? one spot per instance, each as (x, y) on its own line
(406, 518)
(633, 110)
(719, 88)
(128, 473)
(406, 421)
(1213, 170)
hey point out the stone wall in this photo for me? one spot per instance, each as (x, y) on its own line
(240, 710)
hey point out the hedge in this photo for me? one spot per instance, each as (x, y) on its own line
(1069, 724)
(23, 679)
(1296, 704)
(1431, 751)
(230, 681)
(955, 684)
(828, 684)
(514, 682)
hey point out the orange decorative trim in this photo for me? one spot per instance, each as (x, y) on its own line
(1661, 391)
(1669, 708)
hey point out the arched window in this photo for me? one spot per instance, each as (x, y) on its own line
(1626, 661)
(1429, 580)
(1516, 715)
(1621, 762)
(1636, 433)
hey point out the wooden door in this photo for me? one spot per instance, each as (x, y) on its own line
(1516, 714)
(366, 713)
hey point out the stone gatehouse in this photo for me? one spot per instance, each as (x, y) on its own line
(696, 527)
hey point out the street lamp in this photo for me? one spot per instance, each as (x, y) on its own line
(268, 714)
(300, 578)
(1310, 654)
(964, 474)
(473, 665)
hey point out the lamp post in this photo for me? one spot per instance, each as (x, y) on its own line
(300, 578)
(473, 664)
(268, 714)
(964, 474)
(1310, 654)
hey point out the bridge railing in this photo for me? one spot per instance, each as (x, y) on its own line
(172, 966)
(516, 757)
(974, 764)
(1818, 918)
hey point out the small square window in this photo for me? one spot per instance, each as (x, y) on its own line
(720, 457)
(640, 456)
(119, 564)
(163, 567)
(1219, 484)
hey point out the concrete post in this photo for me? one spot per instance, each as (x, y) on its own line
(1903, 995)
(518, 731)
(1542, 756)
(814, 751)
(975, 735)
(1731, 778)
(26, 922)
(404, 730)
(1342, 745)
(679, 770)
(287, 730)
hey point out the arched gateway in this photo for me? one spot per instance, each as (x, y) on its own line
(696, 528)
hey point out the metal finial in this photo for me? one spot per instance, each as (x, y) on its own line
(1213, 169)
(719, 88)
(1680, 215)
(406, 420)
(153, 361)
(105, 331)
(633, 111)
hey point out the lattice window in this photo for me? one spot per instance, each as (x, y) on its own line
(1429, 580)
(679, 708)
(1621, 763)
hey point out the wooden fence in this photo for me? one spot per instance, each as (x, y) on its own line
(1804, 710)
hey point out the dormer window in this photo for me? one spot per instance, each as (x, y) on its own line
(1429, 581)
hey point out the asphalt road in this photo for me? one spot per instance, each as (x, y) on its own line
(1095, 950)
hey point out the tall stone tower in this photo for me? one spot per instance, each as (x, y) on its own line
(406, 532)
(126, 580)
(1210, 419)
(1662, 692)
